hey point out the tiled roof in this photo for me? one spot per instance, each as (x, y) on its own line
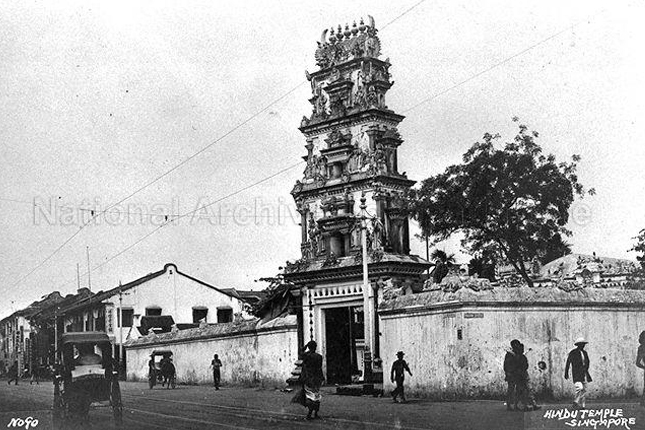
(351, 261)
(211, 331)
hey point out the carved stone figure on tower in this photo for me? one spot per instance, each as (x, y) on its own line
(319, 102)
(372, 98)
(377, 232)
(313, 236)
(378, 161)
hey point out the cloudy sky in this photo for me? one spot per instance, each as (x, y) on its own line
(164, 107)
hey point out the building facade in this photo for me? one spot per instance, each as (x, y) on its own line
(157, 301)
(20, 339)
(15, 341)
(351, 197)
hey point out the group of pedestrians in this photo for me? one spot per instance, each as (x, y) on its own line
(516, 370)
(516, 367)
(35, 375)
(312, 378)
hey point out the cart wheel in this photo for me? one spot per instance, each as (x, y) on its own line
(58, 415)
(117, 405)
(77, 411)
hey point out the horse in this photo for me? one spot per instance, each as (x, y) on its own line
(168, 373)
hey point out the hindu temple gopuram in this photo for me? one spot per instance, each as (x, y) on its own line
(363, 307)
(351, 184)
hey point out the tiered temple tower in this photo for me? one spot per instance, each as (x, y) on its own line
(351, 184)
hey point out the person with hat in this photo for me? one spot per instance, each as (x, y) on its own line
(523, 392)
(216, 365)
(152, 370)
(578, 360)
(397, 375)
(512, 371)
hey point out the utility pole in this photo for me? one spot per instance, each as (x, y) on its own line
(56, 335)
(121, 364)
(367, 321)
(427, 255)
(89, 278)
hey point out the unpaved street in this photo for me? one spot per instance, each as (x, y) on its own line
(201, 407)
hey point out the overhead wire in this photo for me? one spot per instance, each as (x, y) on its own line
(472, 77)
(186, 160)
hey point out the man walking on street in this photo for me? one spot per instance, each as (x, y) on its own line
(13, 373)
(512, 371)
(216, 364)
(312, 378)
(397, 375)
(523, 393)
(579, 362)
(35, 374)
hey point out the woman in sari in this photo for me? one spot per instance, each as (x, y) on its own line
(311, 378)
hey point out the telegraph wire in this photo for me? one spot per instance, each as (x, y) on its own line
(186, 160)
(195, 154)
(504, 61)
(85, 208)
(173, 219)
(408, 10)
(568, 28)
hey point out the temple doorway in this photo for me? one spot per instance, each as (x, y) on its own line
(344, 344)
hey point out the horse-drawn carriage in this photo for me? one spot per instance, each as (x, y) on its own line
(86, 375)
(161, 369)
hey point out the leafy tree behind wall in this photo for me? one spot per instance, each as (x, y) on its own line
(442, 261)
(510, 200)
(640, 247)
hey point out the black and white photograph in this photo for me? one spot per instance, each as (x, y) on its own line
(328, 215)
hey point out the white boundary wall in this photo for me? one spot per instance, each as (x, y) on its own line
(445, 366)
(264, 356)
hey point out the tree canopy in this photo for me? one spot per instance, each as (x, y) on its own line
(442, 264)
(510, 199)
(640, 247)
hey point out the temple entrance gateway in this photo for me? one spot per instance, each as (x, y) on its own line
(344, 344)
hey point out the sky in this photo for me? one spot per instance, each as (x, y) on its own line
(192, 108)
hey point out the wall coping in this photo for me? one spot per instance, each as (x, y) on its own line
(217, 331)
(522, 297)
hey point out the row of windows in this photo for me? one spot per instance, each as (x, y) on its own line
(199, 314)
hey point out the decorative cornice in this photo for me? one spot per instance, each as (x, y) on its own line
(355, 272)
(366, 183)
(356, 118)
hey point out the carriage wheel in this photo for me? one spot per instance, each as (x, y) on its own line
(77, 411)
(117, 405)
(58, 415)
